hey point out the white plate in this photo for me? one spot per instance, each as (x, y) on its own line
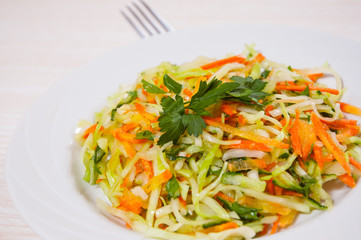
(43, 170)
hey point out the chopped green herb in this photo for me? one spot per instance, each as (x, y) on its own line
(145, 135)
(172, 188)
(151, 88)
(172, 85)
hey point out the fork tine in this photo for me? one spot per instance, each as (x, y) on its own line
(155, 15)
(132, 24)
(140, 21)
(146, 18)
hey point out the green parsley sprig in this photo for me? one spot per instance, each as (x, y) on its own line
(174, 120)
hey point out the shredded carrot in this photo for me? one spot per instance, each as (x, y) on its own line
(259, 163)
(348, 108)
(219, 63)
(268, 109)
(355, 163)
(291, 193)
(241, 120)
(270, 187)
(229, 109)
(187, 92)
(247, 144)
(275, 225)
(90, 130)
(322, 132)
(347, 134)
(318, 156)
(264, 231)
(307, 138)
(259, 58)
(148, 168)
(99, 180)
(183, 202)
(246, 134)
(295, 137)
(130, 202)
(278, 190)
(314, 76)
(157, 180)
(340, 123)
(129, 126)
(221, 227)
(225, 197)
(347, 179)
(301, 88)
(129, 149)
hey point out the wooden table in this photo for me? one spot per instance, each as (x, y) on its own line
(43, 41)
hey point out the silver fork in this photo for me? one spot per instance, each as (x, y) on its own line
(144, 20)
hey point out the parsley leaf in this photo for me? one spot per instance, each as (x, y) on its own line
(172, 85)
(249, 90)
(194, 124)
(172, 188)
(151, 88)
(306, 92)
(247, 214)
(145, 135)
(209, 94)
(170, 120)
(174, 121)
(172, 154)
(265, 74)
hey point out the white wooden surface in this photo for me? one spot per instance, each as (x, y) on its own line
(42, 41)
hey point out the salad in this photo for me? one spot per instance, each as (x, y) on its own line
(214, 149)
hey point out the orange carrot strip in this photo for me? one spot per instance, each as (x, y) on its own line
(224, 226)
(321, 131)
(295, 137)
(129, 126)
(259, 163)
(307, 138)
(348, 108)
(139, 107)
(347, 179)
(90, 130)
(241, 120)
(340, 123)
(259, 58)
(157, 180)
(347, 134)
(129, 149)
(247, 144)
(229, 109)
(278, 190)
(301, 88)
(268, 109)
(291, 193)
(264, 231)
(355, 163)
(219, 63)
(183, 202)
(187, 92)
(270, 187)
(318, 156)
(148, 168)
(130, 202)
(245, 134)
(225, 197)
(275, 225)
(314, 76)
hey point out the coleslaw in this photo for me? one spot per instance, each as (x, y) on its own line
(214, 149)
